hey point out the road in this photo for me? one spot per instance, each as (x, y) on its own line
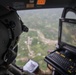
(42, 38)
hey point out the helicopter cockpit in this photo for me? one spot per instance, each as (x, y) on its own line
(63, 58)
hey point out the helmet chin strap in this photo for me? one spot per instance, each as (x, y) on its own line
(9, 56)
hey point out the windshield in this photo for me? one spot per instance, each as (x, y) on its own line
(42, 36)
(69, 33)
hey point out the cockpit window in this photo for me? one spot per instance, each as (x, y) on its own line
(42, 36)
(71, 15)
(69, 33)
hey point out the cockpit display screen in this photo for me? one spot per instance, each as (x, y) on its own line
(68, 35)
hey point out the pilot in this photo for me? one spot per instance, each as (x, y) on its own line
(11, 28)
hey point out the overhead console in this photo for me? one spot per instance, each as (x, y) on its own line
(63, 59)
(37, 4)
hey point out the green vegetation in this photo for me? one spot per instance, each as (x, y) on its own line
(42, 35)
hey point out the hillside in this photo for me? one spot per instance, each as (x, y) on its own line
(42, 35)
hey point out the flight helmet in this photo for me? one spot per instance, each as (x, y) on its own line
(11, 27)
